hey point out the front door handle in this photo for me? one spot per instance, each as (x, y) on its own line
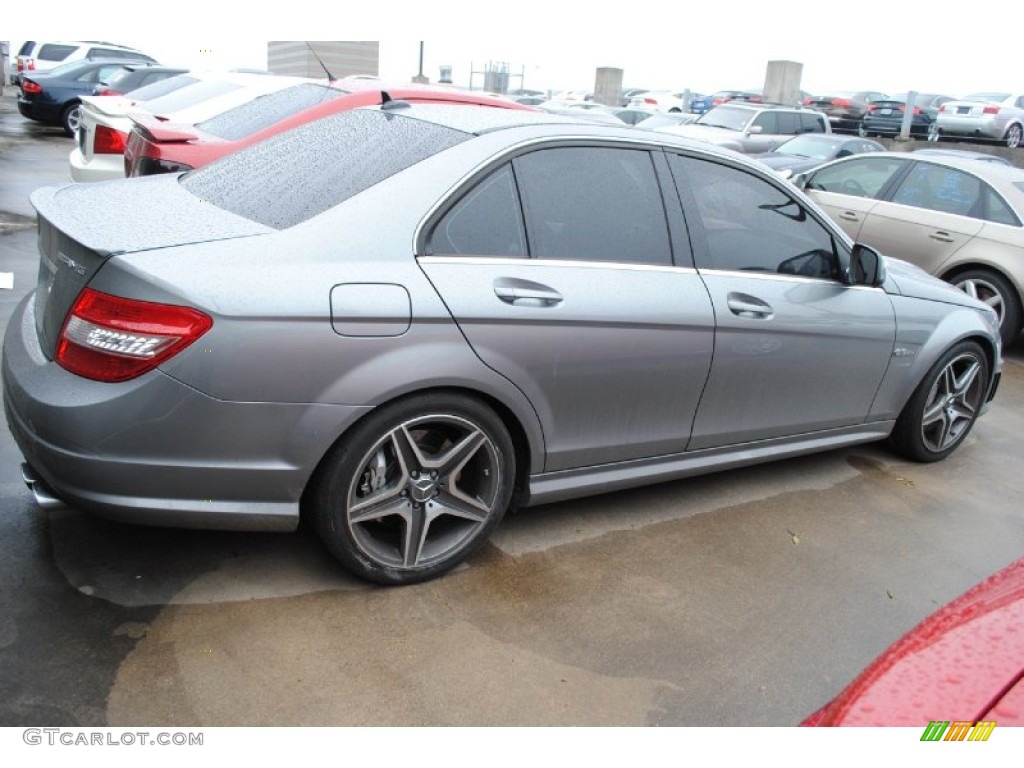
(525, 293)
(849, 216)
(942, 237)
(742, 305)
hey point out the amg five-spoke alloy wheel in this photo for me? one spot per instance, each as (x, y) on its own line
(416, 488)
(945, 405)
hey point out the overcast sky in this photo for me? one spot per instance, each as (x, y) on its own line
(854, 45)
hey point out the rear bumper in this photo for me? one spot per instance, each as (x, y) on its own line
(988, 128)
(155, 451)
(99, 168)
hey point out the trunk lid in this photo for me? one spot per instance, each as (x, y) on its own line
(83, 225)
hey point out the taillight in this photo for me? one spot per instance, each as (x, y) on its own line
(808, 100)
(32, 64)
(991, 111)
(109, 338)
(150, 166)
(840, 102)
(107, 141)
(872, 108)
(27, 86)
(105, 92)
(917, 110)
(650, 101)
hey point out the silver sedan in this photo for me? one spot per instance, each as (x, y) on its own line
(404, 321)
(991, 115)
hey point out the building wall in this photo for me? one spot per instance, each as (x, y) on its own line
(341, 58)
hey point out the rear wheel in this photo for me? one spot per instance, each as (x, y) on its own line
(933, 132)
(415, 489)
(945, 405)
(995, 290)
(1013, 136)
(71, 118)
(862, 131)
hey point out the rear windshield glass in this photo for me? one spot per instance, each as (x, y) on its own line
(260, 113)
(162, 87)
(296, 175)
(183, 98)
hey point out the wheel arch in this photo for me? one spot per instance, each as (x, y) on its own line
(524, 448)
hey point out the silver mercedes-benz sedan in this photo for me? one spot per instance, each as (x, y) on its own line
(404, 321)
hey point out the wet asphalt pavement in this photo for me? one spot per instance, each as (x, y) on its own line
(746, 598)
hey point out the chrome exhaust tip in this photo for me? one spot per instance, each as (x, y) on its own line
(44, 497)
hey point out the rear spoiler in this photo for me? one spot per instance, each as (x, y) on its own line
(153, 129)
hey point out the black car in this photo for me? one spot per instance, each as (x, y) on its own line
(132, 76)
(802, 153)
(845, 109)
(54, 98)
(885, 117)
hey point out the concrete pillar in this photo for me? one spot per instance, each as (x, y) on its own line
(608, 86)
(782, 82)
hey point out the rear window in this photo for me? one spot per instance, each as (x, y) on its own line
(52, 52)
(296, 175)
(260, 113)
(162, 87)
(183, 98)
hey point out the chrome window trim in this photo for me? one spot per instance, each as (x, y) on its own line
(523, 261)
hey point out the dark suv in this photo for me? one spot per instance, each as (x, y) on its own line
(752, 128)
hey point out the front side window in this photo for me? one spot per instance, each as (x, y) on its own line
(593, 204)
(485, 222)
(862, 177)
(767, 122)
(937, 188)
(750, 225)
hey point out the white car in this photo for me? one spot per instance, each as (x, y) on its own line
(36, 57)
(659, 101)
(107, 120)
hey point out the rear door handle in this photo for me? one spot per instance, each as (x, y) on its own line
(942, 237)
(742, 305)
(525, 293)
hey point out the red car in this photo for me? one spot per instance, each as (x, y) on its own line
(155, 146)
(962, 665)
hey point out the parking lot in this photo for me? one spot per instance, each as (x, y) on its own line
(750, 597)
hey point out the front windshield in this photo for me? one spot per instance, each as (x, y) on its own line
(733, 118)
(818, 148)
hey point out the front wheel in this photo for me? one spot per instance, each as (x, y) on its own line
(933, 132)
(945, 405)
(415, 489)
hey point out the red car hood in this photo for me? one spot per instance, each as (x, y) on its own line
(965, 662)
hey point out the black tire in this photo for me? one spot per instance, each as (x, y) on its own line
(996, 291)
(945, 405)
(71, 117)
(415, 488)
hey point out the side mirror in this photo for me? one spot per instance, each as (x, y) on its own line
(755, 129)
(867, 267)
(800, 180)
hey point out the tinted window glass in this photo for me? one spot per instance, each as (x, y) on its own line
(940, 189)
(593, 204)
(997, 210)
(812, 123)
(55, 52)
(863, 177)
(752, 226)
(298, 174)
(264, 111)
(162, 88)
(486, 222)
(768, 122)
(787, 123)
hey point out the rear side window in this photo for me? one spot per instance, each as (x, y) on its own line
(486, 222)
(812, 123)
(52, 52)
(997, 210)
(296, 175)
(940, 189)
(593, 204)
(264, 111)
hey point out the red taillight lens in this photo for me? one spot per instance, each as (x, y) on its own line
(106, 92)
(30, 87)
(991, 111)
(109, 338)
(650, 101)
(808, 99)
(942, 108)
(107, 141)
(840, 102)
(872, 108)
(32, 64)
(917, 110)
